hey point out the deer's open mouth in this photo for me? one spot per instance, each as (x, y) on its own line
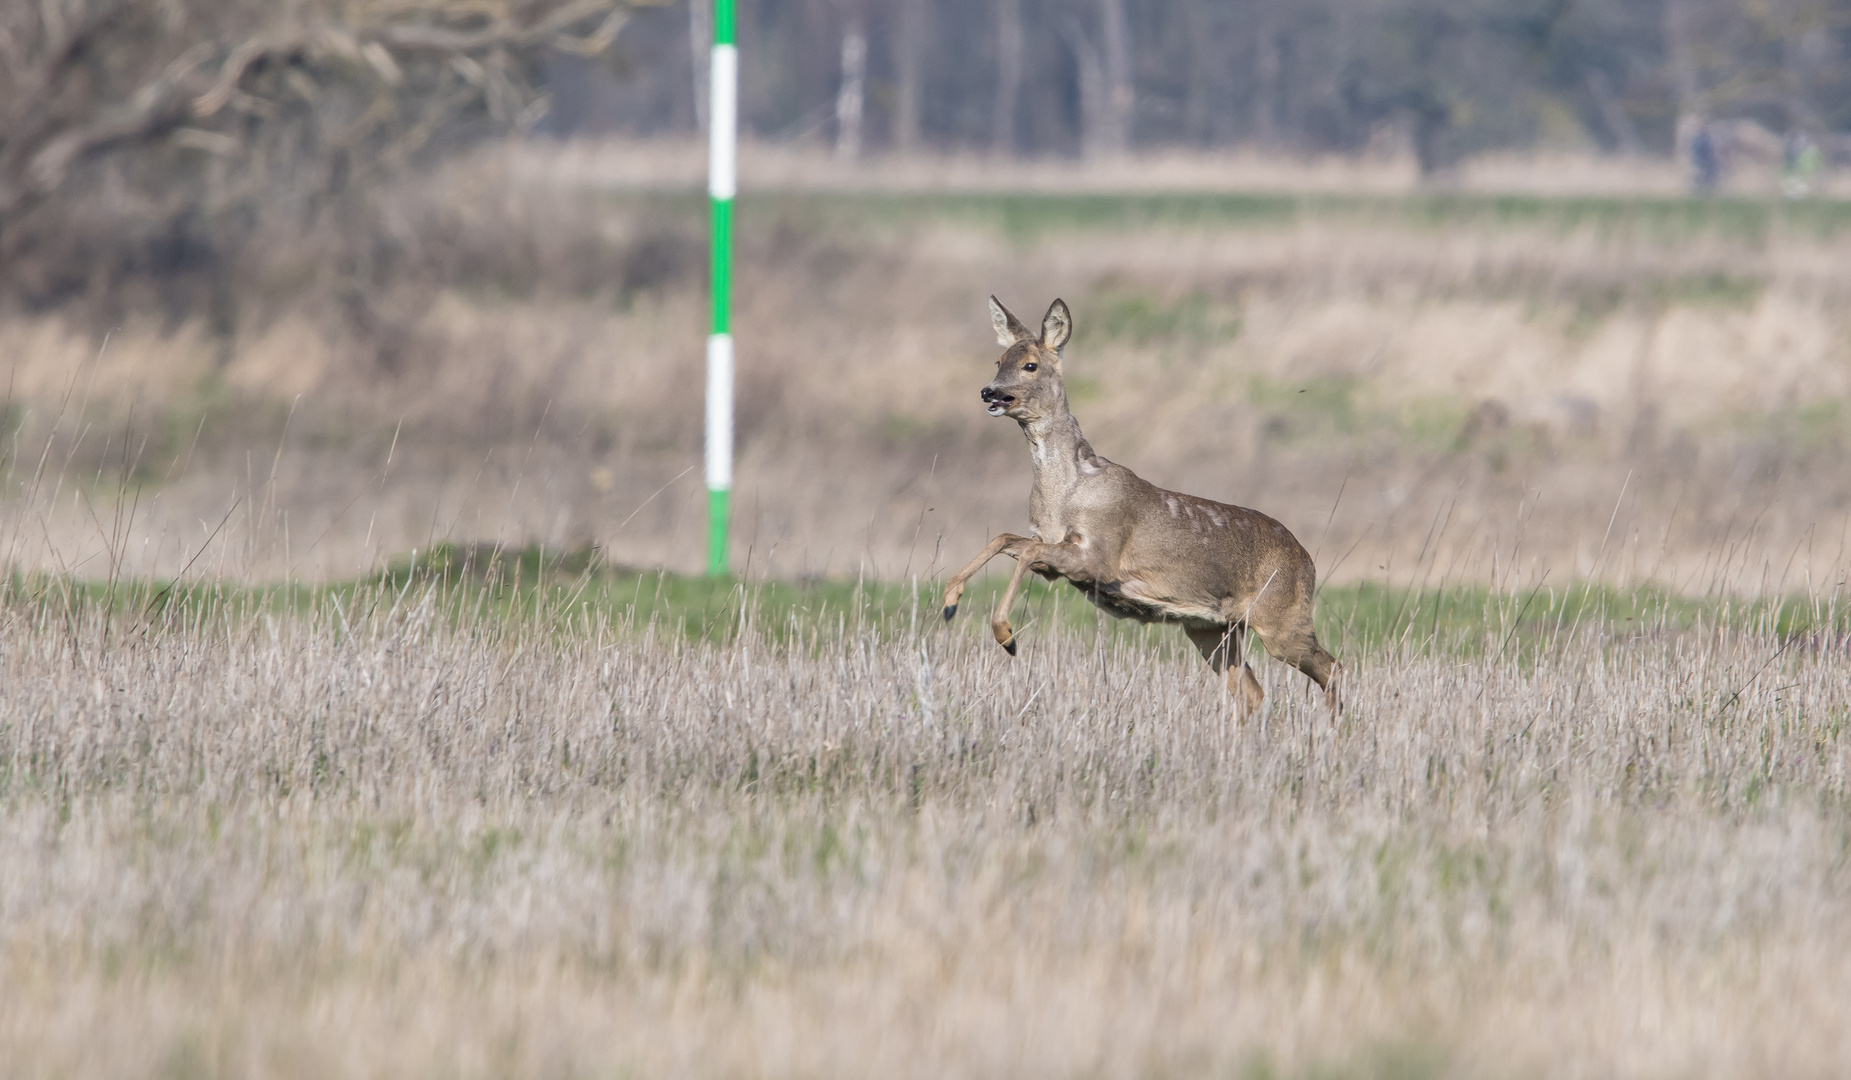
(995, 402)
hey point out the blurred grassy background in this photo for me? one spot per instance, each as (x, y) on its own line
(1425, 386)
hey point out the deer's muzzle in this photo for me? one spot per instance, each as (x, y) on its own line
(996, 400)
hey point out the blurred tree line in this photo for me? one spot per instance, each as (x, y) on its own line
(1442, 78)
(179, 154)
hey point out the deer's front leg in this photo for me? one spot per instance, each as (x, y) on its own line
(955, 587)
(1066, 559)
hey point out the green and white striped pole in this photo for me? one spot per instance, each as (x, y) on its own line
(722, 142)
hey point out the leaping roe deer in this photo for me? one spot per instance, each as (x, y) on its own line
(1138, 551)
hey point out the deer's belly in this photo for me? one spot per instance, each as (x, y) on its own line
(1131, 600)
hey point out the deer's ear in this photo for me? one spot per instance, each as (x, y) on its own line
(1056, 326)
(1009, 329)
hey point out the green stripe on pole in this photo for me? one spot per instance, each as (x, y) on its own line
(716, 532)
(721, 228)
(723, 22)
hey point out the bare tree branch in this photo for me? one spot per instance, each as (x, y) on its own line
(300, 106)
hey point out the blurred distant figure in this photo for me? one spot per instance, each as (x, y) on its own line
(1705, 160)
(1801, 162)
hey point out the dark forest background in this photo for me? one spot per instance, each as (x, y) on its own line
(1444, 78)
(204, 157)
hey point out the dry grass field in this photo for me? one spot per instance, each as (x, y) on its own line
(408, 829)
(342, 732)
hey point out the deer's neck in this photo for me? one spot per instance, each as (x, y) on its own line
(1062, 460)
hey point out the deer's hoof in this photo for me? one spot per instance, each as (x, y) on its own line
(950, 610)
(1009, 646)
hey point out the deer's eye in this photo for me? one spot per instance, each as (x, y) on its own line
(1028, 367)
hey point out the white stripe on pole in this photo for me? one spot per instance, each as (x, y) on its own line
(720, 412)
(722, 130)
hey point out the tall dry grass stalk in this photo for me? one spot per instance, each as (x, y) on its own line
(373, 840)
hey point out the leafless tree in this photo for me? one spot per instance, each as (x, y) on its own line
(1008, 75)
(1103, 56)
(1682, 65)
(909, 47)
(700, 45)
(157, 115)
(852, 89)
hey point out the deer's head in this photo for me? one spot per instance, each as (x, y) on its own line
(1027, 384)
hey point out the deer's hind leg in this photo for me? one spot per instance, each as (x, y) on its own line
(1225, 649)
(1300, 648)
(1286, 632)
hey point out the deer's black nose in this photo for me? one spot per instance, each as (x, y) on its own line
(988, 394)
